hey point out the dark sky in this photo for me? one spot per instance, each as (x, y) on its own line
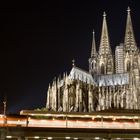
(38, 41)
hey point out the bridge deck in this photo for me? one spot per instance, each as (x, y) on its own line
(60, 133)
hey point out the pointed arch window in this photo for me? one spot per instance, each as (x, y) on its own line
(93, 64)
(102, 69)
(128, 66)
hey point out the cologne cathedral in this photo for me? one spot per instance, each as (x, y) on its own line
(112, 82)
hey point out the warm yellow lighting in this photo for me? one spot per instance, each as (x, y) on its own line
(136, 117)
(8, 137)
(49, 138)
(86, 115)
(93, 118)
(135, 138)
(114, 119)
(1, 116)
(67, 138)
(36, 137)
(96, 138)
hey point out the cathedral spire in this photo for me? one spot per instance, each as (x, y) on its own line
(104, 42)
(93, 50)
(73, 63)
(129, 41)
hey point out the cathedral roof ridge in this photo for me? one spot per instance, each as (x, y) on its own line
(113, 79)
(124, 73)
(82, 70)
(80, 74)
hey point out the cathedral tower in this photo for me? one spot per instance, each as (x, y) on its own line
(130, 46)
(93, 59)
(105, 64)
(129, 41)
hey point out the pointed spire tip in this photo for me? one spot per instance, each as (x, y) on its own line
(73, 62)
(93, 50)
(128, 9)
(104, 41)
(93, 31)
(104, 14)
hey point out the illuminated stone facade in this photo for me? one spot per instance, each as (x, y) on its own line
(112, 81)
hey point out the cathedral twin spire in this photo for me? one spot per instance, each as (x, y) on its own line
(102, 62)
(93, 50)
(129, 39)
(104, 42)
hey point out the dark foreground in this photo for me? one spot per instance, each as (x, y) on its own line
(28, 133)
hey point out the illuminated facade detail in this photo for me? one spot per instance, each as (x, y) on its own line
(112, 82)
(119, 59)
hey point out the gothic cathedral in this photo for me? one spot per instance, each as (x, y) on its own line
(113, 81)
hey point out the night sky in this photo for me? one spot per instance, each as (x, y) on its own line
(38, 41)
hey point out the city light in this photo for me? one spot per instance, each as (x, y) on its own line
(136, 139)
(67, 138)
(49, 138)
(96, 138)
(8, 137)
(36, 137)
